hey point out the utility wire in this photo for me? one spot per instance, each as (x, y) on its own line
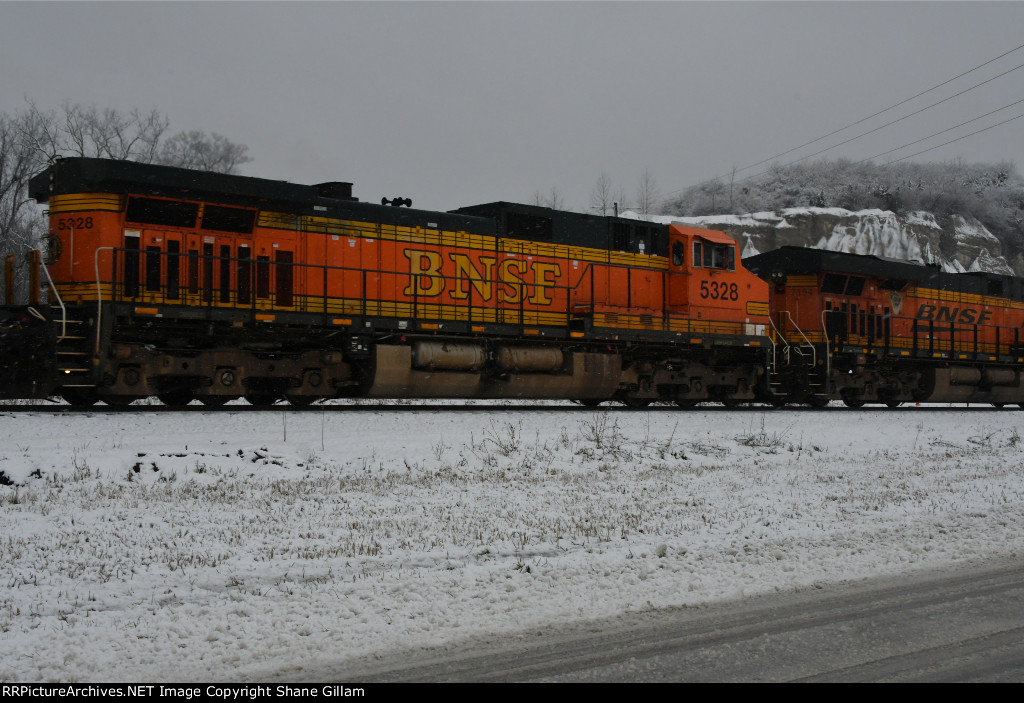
(985, 129)
(888, 124)
(880, 112)
(918, 141)
(864, 119)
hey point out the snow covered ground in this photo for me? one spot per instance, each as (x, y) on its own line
(235, 546)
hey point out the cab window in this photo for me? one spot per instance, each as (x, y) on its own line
(715, 256)
(678, 253)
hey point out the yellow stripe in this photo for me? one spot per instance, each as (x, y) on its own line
(433, 311)
(86, 201)
(968, 298)
(81, 292)
(757, 308)
(801, 281)
(428, 236)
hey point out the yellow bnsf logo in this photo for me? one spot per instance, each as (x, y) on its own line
(945, 313)
(433, 275)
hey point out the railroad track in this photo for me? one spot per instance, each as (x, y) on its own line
(103, 409)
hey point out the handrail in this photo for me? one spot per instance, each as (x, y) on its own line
(99, 293)
(63, 310)
(774, 346)
(774, 352)
(828, 355)
(814, 358)
(807, 342)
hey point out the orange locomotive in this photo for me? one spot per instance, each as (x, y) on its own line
(187, 284)
(869, 330)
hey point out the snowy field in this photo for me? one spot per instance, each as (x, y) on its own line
(240, 546)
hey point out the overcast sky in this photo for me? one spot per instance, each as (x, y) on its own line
(459, 103)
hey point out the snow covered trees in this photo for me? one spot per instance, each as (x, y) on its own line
(991, 193)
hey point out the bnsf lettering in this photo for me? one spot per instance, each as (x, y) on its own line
(429, 279)
(961, 316)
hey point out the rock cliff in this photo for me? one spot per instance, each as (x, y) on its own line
(957, 244)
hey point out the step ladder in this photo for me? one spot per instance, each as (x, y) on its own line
(74, 354)
(800, 356)
(73, 348)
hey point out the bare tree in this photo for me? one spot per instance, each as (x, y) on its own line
(553, 199)
(194, 149)
(75, 130)
(20, 225)
(601, 198)
(646, 194)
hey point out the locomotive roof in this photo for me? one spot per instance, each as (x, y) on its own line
(84, 175)
(502, 206)
(802, 261)
(805, 261)
(77, 175)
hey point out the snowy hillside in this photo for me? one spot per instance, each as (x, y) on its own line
(963, 244)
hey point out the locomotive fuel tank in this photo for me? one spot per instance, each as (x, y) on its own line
(459, 371)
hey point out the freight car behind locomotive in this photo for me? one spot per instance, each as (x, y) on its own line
(186, 284)
(866, 329)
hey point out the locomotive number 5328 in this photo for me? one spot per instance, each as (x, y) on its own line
(719, 291)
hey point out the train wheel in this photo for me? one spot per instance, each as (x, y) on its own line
(636, 403)
(589, 402)
(686, 403)
(80, 397)
(778, 401)
(997, 406)
(213, 401)
(731, 403)
(260, 398)
(176, 397)
(817, 401)
(118, 401)
(853, 401)
(300, 401)
(893, 403)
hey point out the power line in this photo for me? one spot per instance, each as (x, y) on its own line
(985, 129)
(864, 119)
(880, 112)
(900, 119)
(938, 146)
(923, 139)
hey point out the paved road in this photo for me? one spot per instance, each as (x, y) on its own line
(966, 625)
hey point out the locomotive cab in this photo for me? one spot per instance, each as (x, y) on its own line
(707, 261)
(708, 281)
